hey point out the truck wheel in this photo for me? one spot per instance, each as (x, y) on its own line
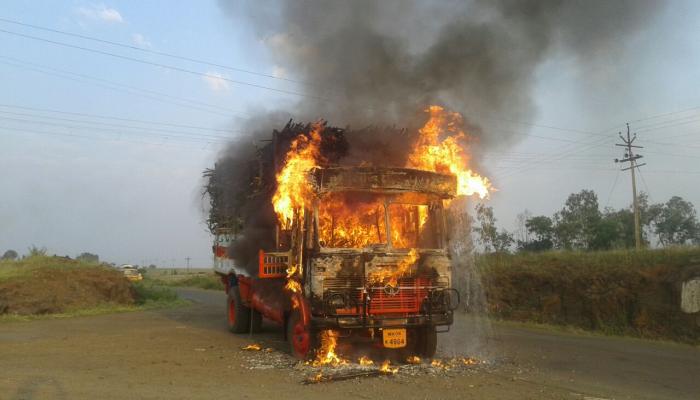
(426, 342)
(301, 338)
(238, 314)
(255, 321)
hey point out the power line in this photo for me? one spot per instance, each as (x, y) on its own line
(150, 94)
(161, 65)
(150, 51)
(612, 189)
(112, 118)
(93, 137)
(176, 134)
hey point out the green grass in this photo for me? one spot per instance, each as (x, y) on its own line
(25, 266)
(672, 256)
(209, 281)
(620, 292)
(99, 310)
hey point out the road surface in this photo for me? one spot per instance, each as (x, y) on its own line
(187, 353)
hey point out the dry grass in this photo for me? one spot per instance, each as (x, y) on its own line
(42, 285)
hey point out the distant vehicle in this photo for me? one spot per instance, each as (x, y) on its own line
(131, 273)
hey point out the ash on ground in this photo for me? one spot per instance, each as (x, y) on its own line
(308, 371)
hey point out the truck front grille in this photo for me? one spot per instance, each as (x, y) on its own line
(405, 298)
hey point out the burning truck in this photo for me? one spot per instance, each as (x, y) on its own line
(333, 252)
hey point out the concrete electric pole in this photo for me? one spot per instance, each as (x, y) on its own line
(632, 158)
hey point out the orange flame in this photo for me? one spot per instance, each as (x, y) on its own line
(252, 347)
(326, 353)
(469, 361)
(292, 186)
(430, 153)
(364, 360)
(413, 360)
(385, 368)
(391, 276)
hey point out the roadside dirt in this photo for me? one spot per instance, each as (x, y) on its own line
(188, 354)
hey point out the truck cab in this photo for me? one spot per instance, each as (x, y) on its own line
(367, 260)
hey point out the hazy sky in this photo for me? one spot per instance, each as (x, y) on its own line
(105, 154)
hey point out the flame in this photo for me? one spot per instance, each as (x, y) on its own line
(390, 276)
(293, 286)
(326, 353)
(413, 360)
(351, 223)
(430, 153)
(364, 360)
(252, 347)
(385, 368)
(292, 188)
(439, 364)
(469, 361)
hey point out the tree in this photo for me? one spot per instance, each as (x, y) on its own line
(522, 234)
(10, 255)
(576, 224)
(676, 222)
(488, 234)
(36, 251)
(540, 234)
(88, 258)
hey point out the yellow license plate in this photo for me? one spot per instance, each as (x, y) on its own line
(394, 338)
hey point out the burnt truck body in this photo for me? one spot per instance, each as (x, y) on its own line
(369, 258)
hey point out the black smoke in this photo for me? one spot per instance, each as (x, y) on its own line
(381, 62)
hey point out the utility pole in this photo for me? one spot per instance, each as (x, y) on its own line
(632, 158)
(188, 264)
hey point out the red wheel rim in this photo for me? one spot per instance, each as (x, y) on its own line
(231, 312)
(300, 339)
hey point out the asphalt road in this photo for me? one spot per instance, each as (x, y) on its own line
(188, 354)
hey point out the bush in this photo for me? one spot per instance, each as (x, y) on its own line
(149, 293)
(616, 292)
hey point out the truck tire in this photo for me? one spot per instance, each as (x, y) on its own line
(255, 321)
(238, 314)
(426, 342)
(302, 340)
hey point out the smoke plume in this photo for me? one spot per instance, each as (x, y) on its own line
(381, 62)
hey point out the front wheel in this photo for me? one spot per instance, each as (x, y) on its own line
(426, 341)
(238, 314)
(300, 336)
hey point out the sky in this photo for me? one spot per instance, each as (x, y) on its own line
(102, 147)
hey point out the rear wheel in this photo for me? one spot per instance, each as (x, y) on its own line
(255, 321)
(426, 342)
(238, 314)
(300, 336)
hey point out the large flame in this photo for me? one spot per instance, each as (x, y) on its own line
(431, 153)
(292, 187)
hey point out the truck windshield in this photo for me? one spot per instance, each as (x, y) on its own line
(412, 226)
(351, 220)
(357, 220)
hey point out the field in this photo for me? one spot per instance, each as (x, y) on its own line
(42, 285)
(614, 292)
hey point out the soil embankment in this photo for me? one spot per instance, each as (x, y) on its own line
(50, 285)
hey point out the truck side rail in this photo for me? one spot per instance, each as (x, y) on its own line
(273, 264)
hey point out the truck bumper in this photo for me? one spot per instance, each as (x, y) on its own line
(383, 321)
